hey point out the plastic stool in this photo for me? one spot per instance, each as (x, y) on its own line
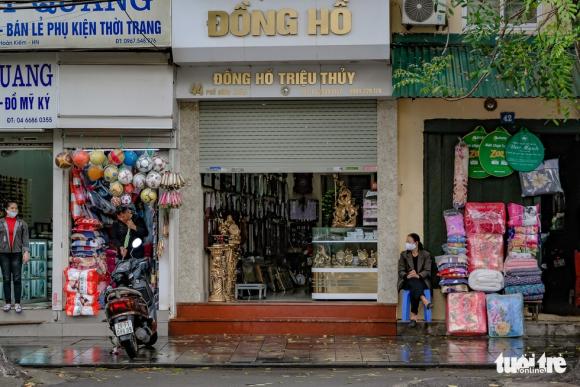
(406, 307)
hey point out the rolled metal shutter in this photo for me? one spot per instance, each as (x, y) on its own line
(288, 136)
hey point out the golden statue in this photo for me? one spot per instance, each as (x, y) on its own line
(373, 259)
(217, 273)
(321, 259)
(363, 257)
(223, 262)
(345, 211)
(339, 259)
(348, 257)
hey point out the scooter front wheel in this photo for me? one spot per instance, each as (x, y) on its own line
(131, 346)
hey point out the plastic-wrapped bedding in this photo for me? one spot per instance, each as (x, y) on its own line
(485, 280)
(505, 315)
(466, 314)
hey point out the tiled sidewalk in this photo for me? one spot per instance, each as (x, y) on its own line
(286, 351)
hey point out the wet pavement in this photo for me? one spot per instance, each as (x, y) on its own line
(286, 351)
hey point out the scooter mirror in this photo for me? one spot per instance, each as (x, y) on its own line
(137, 242)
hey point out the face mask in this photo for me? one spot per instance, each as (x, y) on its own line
(12, 214)
(410, 246)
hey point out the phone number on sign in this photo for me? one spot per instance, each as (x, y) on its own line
(28, 120)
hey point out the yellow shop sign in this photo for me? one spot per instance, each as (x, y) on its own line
(285, 22)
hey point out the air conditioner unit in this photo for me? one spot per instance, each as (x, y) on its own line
(422, 13)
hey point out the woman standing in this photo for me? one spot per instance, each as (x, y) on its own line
(14, 251)
(415, 274)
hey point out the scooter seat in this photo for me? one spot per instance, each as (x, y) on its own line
(124, 292)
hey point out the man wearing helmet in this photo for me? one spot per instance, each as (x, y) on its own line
(128, 227)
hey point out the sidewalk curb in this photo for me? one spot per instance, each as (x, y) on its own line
(398, 365)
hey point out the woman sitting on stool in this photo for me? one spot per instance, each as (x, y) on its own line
(415, 274)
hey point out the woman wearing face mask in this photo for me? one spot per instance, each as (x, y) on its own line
(13, 253)
(415, 274)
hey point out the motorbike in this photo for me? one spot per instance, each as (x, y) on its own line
(131, 310)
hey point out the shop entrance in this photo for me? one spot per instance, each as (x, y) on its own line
(277, 168)
(26, 178)
(559, 212)
(289, 250)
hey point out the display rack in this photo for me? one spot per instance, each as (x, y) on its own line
(340, 272)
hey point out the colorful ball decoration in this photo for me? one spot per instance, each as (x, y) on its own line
(144, 163)
(95, 172)
(125, 176)
(63, 160)
(148, 196)
(139, 180)
(80, 158)
(111, 173)
(116, 157)
(129, 188)
(116, 188)
(131, 158)
(153, 180)
(116, 201)
(98, 157)
(159, 164)
(126, 200)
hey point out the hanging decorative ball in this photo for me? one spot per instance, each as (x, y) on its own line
(148, 196)
(144, 163)
(116, 201)
(153, 180)
(80, 158)
(125, 176)
(98, 157)
(116, 157)
(126, 199)
(63, 160)
(116, 188)
(129, 188)
(131, 158)
(95, 172)
(139, 180)
(111, 173)
(159, 164)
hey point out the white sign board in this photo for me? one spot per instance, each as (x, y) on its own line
(285, 81)
(210, 31)
(96, 25)
(28, 97)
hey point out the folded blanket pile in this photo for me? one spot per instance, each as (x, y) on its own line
(486, 280)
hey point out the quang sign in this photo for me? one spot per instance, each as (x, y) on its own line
(210, 31)
(28, 91)
(284, 81)
(95, 25)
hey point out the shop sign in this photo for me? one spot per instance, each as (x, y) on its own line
(279, 30)
(492, 155)
(525, 151)
(284, 81)
(28, 97)
(97, 25)
(473, 141)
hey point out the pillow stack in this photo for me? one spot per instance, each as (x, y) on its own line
(452, 267)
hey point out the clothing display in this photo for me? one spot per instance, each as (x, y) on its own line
(505, 315)
(485, 280)
(466, 314)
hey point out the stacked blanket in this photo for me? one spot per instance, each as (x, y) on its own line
(453, 266)
(453, 273)
(486, 280)
(522, 275)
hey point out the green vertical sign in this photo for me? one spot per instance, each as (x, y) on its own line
(525, 151)
(492, 154)
(473, 141)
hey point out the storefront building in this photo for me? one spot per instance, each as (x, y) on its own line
(279, 105)
(430, 126)
(102, 81)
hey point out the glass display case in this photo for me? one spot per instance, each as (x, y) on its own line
(344, 263)
(35, 278)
